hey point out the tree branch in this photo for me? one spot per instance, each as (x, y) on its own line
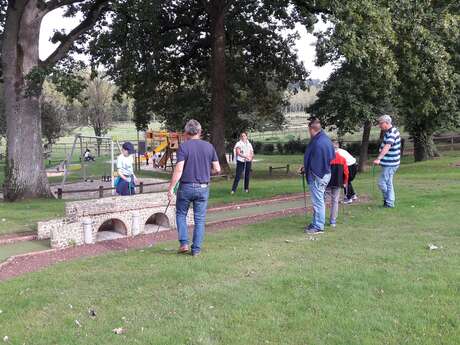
(54, 4)
(66, 44)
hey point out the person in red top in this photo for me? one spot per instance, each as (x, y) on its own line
(339, 179)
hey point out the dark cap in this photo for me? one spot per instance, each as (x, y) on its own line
(128, 147)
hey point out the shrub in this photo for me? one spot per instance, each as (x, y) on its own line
(355, 147)
(268, 149)
(295, 146)
(257, 146)
(280, 148)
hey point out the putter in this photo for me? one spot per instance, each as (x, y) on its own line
(373, 179)
(304, 193)
(166, 210)
(159, 225)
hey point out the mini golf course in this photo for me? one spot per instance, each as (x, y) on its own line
(24, 256)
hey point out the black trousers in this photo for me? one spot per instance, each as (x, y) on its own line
(240, 167)
(349, 192)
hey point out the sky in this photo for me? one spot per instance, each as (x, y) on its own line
(305, 46)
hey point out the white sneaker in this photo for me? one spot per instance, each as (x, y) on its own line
(232, 192)
(348, 201)
(246, 190)
(354, 197)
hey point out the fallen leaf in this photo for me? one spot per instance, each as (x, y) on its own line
(78, 323)
(432, 246)
(119, 330)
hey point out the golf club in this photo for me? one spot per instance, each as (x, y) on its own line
(302, 174)
(159, 225)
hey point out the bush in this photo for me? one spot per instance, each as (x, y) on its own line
(355, 147)
(280, 148)
(268, 149)
(272, 139)
(295, 146)
(257, 146)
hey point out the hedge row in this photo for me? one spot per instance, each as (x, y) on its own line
(297, 146)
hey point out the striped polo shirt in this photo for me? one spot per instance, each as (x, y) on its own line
(393, 156)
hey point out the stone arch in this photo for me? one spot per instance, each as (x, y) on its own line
(111, 228)
(158, 218)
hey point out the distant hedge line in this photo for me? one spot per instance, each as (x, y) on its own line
(297, 146)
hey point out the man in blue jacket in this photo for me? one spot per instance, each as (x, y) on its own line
(317, 167)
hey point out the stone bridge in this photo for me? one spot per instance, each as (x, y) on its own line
(89, 221)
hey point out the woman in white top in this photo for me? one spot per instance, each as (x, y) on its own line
(244, 154)
(127, 180)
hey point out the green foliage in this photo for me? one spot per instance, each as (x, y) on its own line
(397, 56)
(268, 149)
(349, 98)
(295, 146)
(163, 61)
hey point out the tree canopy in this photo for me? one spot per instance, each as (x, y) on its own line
(404, 55)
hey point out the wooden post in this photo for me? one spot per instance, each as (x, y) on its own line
(270, 170)
(59, 193)
(141, 187)
(287, 169)
(101, 191)
(452, 143)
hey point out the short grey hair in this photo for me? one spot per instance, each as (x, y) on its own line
(386, 118)
(192, 127)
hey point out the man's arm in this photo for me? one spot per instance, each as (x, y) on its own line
(216, 168)
(382, 153)
(177, 174)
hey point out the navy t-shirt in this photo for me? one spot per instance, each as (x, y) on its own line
(198, 156)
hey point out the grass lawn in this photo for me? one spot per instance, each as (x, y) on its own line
(371, 281)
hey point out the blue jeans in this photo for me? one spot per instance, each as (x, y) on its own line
(317, 189)
(386, 184)
(196, 194)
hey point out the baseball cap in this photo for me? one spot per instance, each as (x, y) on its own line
(128, 147)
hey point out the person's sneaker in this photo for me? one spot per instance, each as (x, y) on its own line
(348, 201)
(183, 249)
(354, 197)
(333, 225)
(195, 254)
(388, 206)
(232, 192)
(246, 190)
(313, 231)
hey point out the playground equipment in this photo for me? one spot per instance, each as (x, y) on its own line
(75, 160)
(87, 222)
(166, 142)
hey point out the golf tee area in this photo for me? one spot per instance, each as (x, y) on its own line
(382, 276)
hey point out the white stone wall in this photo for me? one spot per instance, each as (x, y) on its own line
(70, 230)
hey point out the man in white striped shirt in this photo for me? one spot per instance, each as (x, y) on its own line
(389, 159)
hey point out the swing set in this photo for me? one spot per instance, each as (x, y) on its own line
(75, 161)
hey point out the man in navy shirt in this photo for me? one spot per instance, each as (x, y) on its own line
(196, 160)
(317, 167)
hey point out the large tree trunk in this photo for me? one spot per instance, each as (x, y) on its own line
(424, 147)
(364, 151)
(217, 15)
(25, 171)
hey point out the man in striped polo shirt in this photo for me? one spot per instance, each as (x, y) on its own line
(389, 159)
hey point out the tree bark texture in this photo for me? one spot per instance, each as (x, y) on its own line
(25, 171)
(424, 147)
(217, 16)
(364, 151)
